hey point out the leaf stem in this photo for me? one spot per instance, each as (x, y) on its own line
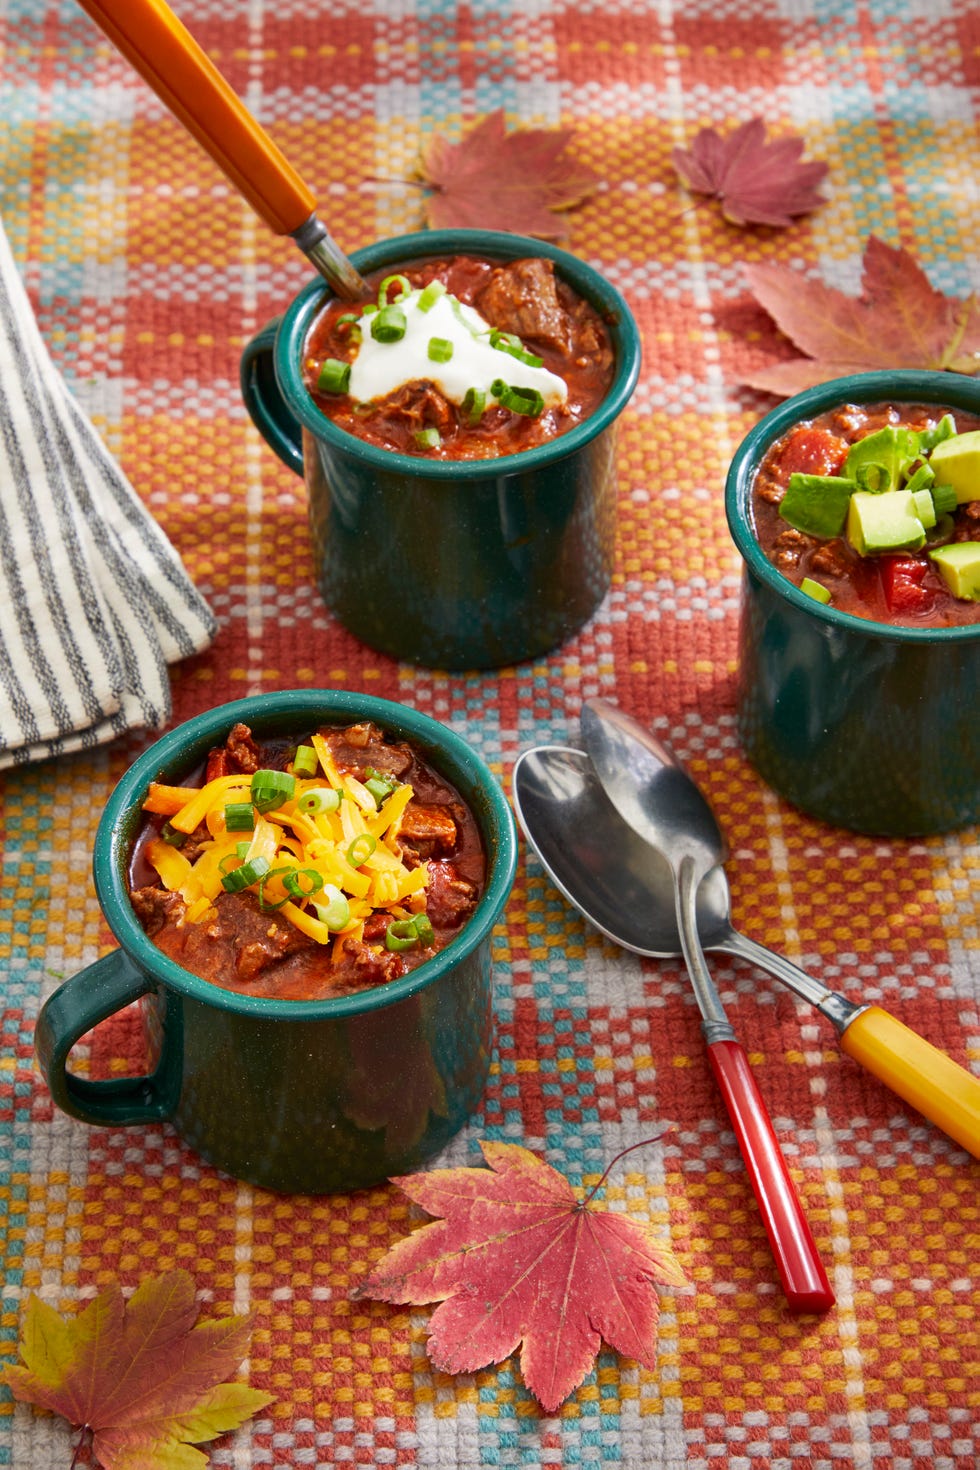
(406, 183)
(82, 1436)
(643, 1143)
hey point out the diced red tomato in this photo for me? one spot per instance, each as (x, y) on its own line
(901, 581)
(809, 451)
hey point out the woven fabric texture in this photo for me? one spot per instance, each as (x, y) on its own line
(148, 274)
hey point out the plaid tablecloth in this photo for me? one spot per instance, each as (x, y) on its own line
(148, 274)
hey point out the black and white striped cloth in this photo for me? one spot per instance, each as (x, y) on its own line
(95, 602)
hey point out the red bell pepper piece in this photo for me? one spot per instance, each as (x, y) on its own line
(810, 451)
(901, 581)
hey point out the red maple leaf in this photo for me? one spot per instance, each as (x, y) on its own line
(757, 183)
(143, 1377)
(518, 1257)
(495, 180)
(899, 321)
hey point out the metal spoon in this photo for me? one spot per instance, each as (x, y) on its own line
(656, 798)
(574, 829)
(166, 55)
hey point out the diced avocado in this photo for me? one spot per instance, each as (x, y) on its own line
(924, 507)
(883, 523)
(879, 461)
(956, 462)
(817, 504)
(815, 589)
(959, 564)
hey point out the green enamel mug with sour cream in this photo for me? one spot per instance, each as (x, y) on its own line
(451, 563)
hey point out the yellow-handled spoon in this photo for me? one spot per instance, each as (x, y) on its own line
(165, 54)
(625, 889)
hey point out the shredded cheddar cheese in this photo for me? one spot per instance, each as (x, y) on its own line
(312, 866)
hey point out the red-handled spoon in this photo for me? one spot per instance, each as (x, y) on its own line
(654, 794)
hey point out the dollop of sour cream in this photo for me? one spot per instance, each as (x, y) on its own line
(381, 368)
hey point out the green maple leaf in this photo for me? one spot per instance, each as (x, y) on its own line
(143, 1377)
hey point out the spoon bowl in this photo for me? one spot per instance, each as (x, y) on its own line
(624, 888)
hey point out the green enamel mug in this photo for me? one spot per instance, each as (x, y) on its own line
(861, 724)
(310, 1097)
(465, 564)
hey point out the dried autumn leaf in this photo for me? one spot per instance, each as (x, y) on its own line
(517, 1257)
(495, 180)
(899, 321)
(144, 1377)
(756, 183)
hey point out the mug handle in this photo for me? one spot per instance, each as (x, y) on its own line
(264, 401)
(92, 995)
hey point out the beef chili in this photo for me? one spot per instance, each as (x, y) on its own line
(307, 871)
(460, 358)
(875, 510)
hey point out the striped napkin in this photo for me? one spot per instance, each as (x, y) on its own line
(95, 600)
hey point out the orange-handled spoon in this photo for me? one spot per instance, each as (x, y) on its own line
(166, 55)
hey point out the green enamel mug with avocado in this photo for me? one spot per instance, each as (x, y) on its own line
(457, 564)
(862, 724)
(299, 1096)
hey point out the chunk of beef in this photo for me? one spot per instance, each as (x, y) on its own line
(238, 756)
(240, 939)
(831, 559)
(428, 830)
(450, 899)
(788, 548)
(522, 297)
(355, 747)
(420, 405)
(358, 967)
(155, 907)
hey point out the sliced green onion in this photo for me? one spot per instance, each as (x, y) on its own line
(268, 903)
(304, 761)
(346, 319)
(370, 309)
(402, 282)
(361, 849)
(440, 349)
(406, 933)
(430, 295)
(945, 429)
(873, 477)
(293, 882)
(271, 789)
(458, 313)
(943, 498)
(319, 799)
(389, 325)
(239, 816)
(527, 401)
(815, 589)
(335, 913)
(171, 836)
(503, 340)
(429, 438)
(509, 343)
(923, 478)
(334, 376)
(379, 785)
(401, 934)
(424, 929)
(245, 875)
(473, 405)
(241, 851)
